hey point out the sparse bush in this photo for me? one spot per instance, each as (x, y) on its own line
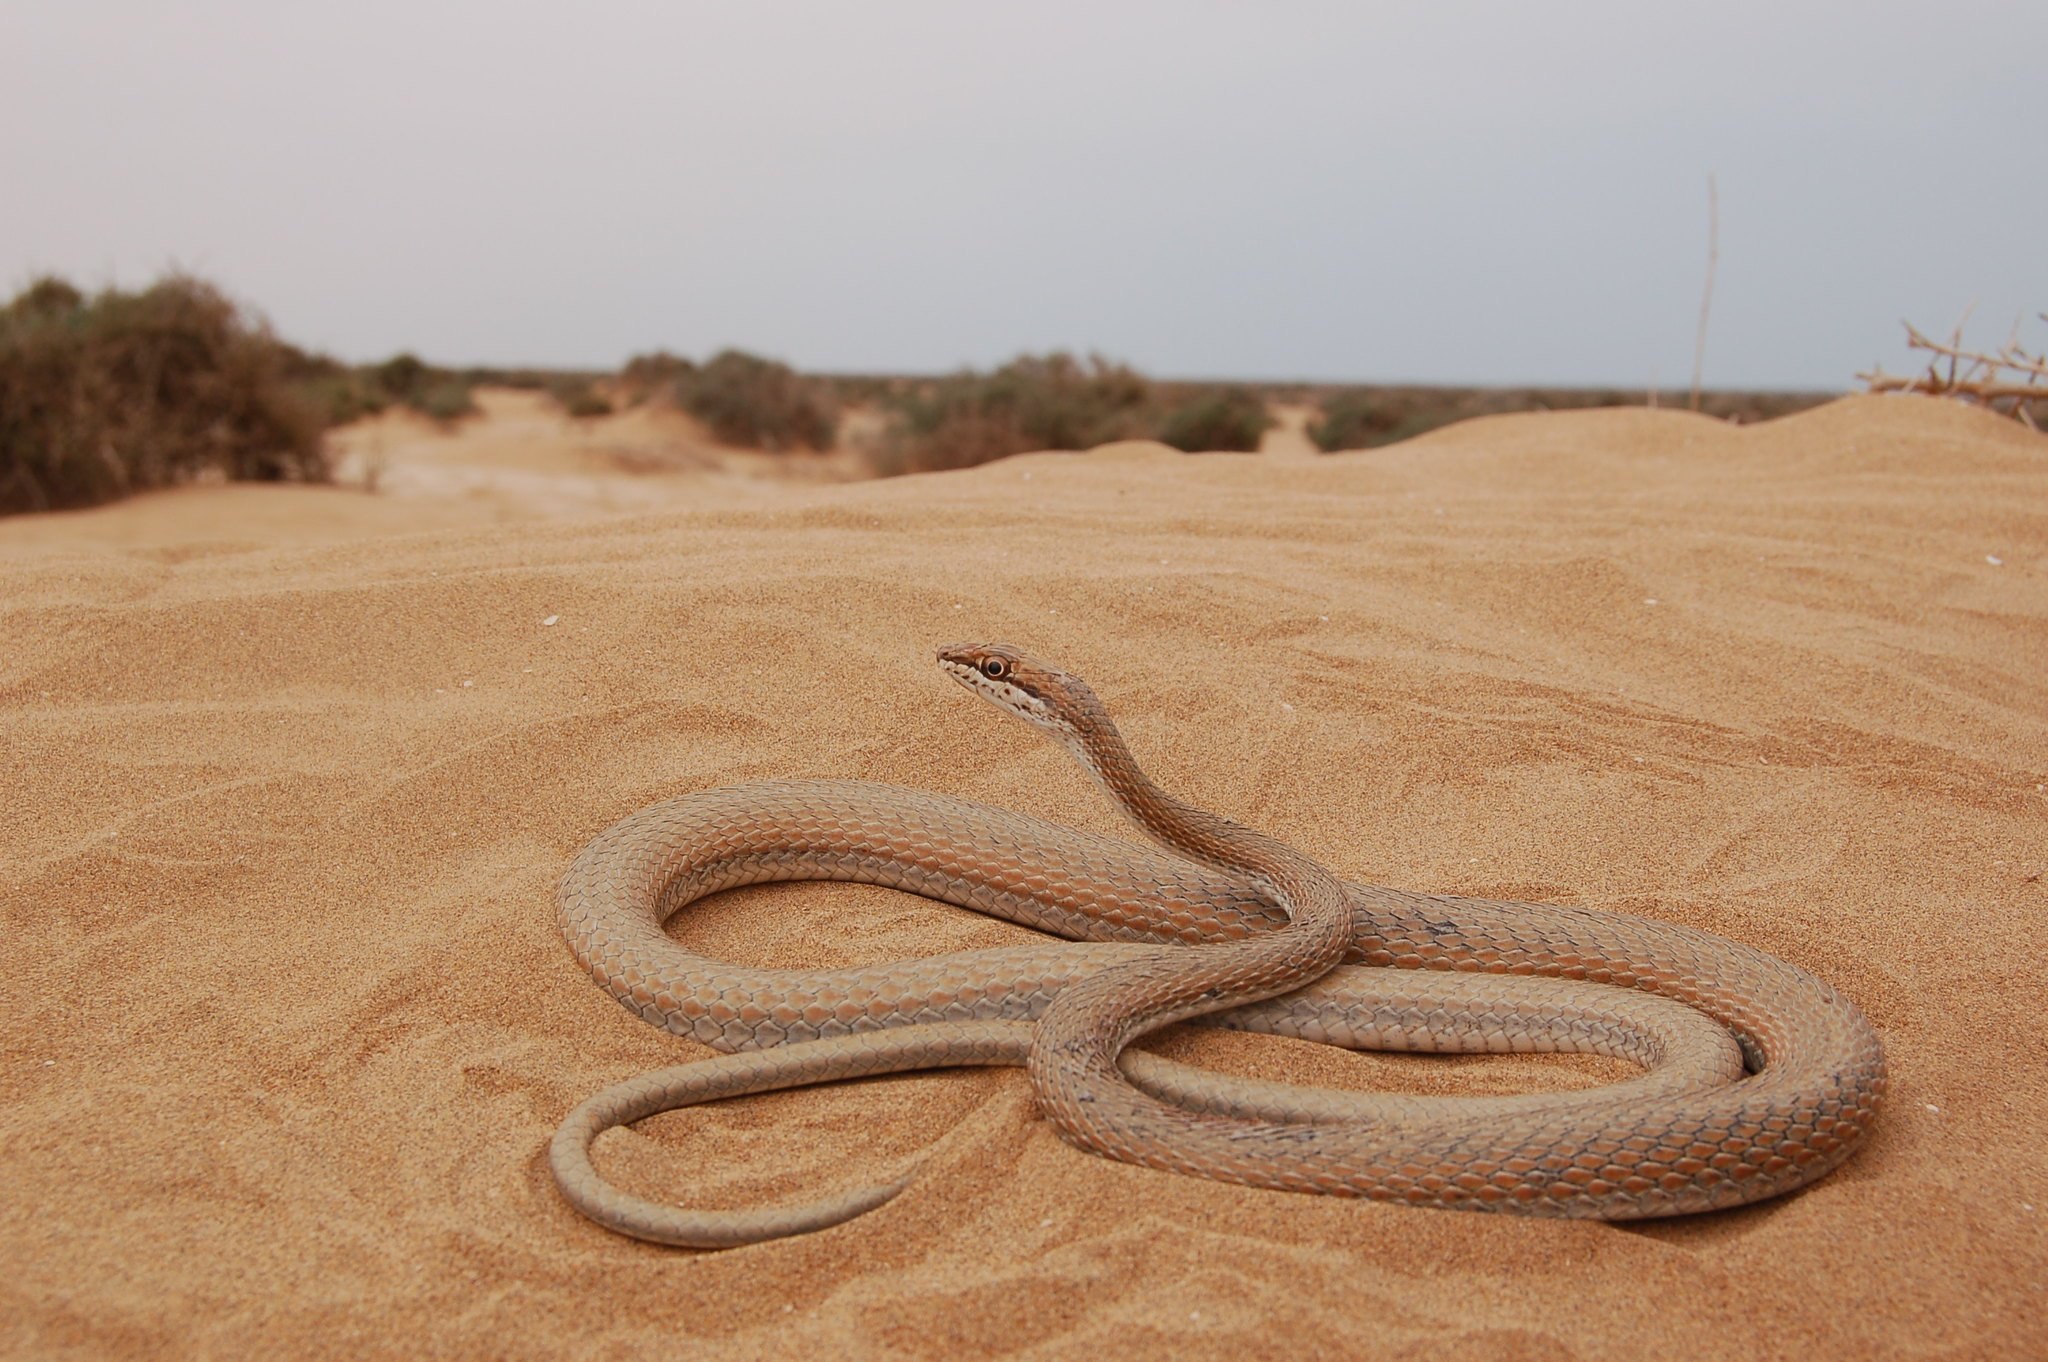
(657, 371)
(47, 297)
(871, 388)
(1363, 418)
(758, 403)
(1366, 417)
(401, 376)
(579, 397)
(490, 376)
(1034, 402)
(1231, 417)
(438, 394)
(338, 392)
(122, 392)
(446, 400)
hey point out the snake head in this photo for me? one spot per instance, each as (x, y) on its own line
(1012, 679)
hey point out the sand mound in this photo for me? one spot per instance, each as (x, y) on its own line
(523, 457)
(293, 775)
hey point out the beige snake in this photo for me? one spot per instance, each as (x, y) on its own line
(1761, 1077)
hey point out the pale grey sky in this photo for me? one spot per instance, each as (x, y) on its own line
(1483, 193)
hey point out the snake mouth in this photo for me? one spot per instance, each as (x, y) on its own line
(962, 673)
(1000, 693)
(1001, 674)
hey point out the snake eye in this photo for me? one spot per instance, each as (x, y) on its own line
(994, 668)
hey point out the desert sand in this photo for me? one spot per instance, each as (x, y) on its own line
(291, 774)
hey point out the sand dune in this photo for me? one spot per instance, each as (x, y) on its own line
(523, 457)
(293, 772)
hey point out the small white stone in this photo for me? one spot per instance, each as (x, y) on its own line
(1994, 560)
(1289, 708)
(1932, 1107)
(551, 620)
(1649, 600)
(467, 684)
(1046, 1223)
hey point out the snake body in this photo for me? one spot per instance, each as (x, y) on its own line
(1761, 1076)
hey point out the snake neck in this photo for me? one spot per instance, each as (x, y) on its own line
(1196, 833)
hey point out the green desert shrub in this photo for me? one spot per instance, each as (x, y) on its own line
(337, 392)
(758, 403)
(1363, 418)
(443, 395)
(492, 376)
(656, 371)
(1367, 417)
(1034, 402)
(446, 400)
(124, 391)
(579, 396)
(1230, 417)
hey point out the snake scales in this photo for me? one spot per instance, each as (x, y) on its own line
(1760, 1077)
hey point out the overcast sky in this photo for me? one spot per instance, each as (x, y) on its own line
(1416, 191)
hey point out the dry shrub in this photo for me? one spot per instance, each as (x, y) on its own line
(2012, 381)
(1366, 417)
(339, 393)
(104, 396)
(1034, 402)
(444, 395)
(346, 392)
(758, 403)
(1227, 417)
(579, 396)
(648, 374)
(1362, 418)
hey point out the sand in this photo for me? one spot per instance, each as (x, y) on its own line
(292, 772)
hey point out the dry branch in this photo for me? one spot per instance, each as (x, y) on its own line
(1943, 386)
(2009, 355)
(1699, 344)
(2011, 381)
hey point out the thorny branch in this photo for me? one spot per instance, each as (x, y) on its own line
(2010, 381)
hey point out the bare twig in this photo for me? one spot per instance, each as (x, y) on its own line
(1955, 341)
(1699, 344)
(1940, 386)
(2009, 380)
(2009, 355)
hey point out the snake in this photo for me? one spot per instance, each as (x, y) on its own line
(1758, 1077)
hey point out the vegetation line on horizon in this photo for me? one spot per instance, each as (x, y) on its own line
(102, 396)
